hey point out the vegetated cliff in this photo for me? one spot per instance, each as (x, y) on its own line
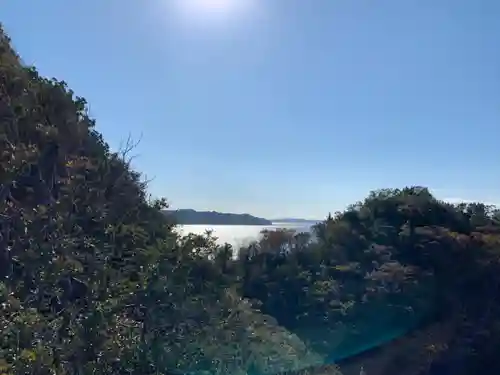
(389, 266)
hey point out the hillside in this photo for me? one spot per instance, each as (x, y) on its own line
(192, 217)
(95, 280)
(388, 267)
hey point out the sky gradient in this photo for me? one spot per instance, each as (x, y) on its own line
(287, 107)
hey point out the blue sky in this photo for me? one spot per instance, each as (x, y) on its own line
(286, 107)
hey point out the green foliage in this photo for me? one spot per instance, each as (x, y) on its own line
(395, 262)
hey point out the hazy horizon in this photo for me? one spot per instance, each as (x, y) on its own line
(276, 218)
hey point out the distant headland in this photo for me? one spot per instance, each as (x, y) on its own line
(193, 217)
(295, 221)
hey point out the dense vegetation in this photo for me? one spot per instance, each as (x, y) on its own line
(192, 217)
(95, 280)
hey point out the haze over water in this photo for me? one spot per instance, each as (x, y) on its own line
(238, 235)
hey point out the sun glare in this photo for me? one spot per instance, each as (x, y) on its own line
(211, 10)
(211, 5)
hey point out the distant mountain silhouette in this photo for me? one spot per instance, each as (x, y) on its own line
(294, 220)
(192, 217)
